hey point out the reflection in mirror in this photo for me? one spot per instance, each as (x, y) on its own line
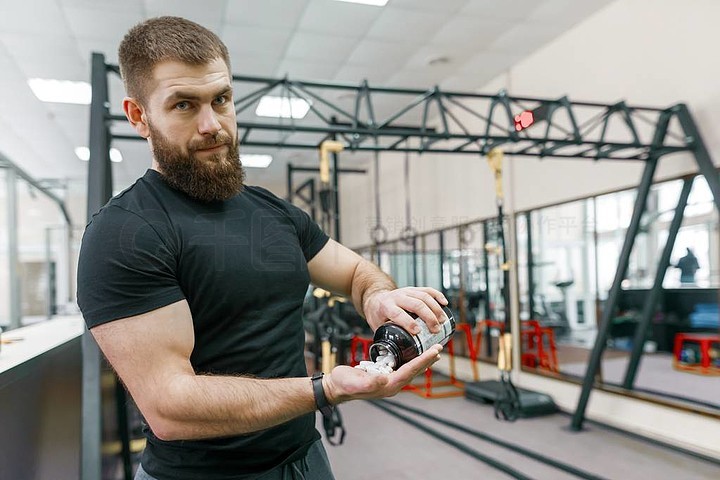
(567, 259)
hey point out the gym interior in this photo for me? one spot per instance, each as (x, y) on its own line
(550, 166)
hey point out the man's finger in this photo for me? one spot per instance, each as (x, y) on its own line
(431, 302)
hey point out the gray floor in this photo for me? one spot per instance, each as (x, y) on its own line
(656, 373)
(379, 446)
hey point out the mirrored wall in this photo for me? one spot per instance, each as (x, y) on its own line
(567, 259)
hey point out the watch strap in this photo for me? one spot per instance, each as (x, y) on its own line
(321, 400)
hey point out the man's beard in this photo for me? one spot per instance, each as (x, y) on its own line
(218, 177)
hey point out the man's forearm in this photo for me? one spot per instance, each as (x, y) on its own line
(367, 280)
(202, 406)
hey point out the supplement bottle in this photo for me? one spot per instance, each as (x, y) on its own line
(391, 339)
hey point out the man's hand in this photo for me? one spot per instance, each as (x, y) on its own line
(347, 383)
(393, 305)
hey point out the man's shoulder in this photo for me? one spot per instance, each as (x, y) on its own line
(136, 202)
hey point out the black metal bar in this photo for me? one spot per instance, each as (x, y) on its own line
(297, 93)
(323, 101)
(530, 267)
(654, 293)
(414, 258)
(313, 195)
(317, 170)
(336, 189)
(253, 97)
(486, 268)
(611, 302)
(123, 429)
(245, 136)
(416, 91)
(627, 116)
(700, 151)
(290, 191)
(99, 192)
(441, 237)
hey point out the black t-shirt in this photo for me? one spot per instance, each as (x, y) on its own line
(242, 267)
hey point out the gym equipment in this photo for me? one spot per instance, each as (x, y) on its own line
(507, 400)
(697, 353)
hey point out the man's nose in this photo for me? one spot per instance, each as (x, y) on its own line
(208, 123)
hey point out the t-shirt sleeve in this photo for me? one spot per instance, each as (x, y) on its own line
(125, 268)
(312, 238)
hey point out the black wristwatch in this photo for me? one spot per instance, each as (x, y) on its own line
(321, 400)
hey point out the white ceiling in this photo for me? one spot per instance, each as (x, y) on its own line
(305, 39)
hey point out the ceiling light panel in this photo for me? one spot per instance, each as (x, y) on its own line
(61, 91)
(282, 107)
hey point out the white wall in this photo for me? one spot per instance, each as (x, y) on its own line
(648, 52)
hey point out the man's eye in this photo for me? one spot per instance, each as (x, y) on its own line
(182, 106)
(222, 100)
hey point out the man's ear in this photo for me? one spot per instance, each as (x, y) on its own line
(135, 114)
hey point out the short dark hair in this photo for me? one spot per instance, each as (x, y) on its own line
(165, 38)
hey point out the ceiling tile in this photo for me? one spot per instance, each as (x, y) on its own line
(407, 26)
(500, 9)
(307, 70)
(525, 38)
(107, 48)
(311, 46)
(355, 74)
(101, 24)
(137, 6)
(422, 78)
(256, 41)
(445, 57)
(384, 54)
(560, 11)
(444, 6)
(208, 13)
(266, 13)
(488, 64)
(469, 32)
(31, 55)
(340, 18)
(42, 17)
(249, 65)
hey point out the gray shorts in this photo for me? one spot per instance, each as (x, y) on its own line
(314, 466)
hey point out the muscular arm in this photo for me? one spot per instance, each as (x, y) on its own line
(151, 354)
(374, 294)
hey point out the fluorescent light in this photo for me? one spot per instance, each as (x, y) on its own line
(282, 107)
(83, 153)
(376, 3)
(115, 155)
(255, 160)
(61, 91)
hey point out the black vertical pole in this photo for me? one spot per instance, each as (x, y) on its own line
(530, 267)
(290, 191)
(414, 259)
(99, 191)
(611, 302)
(654, 294)
(336, 187)
(313, 200)
(486, 269)
(442, 262)
(702, 156)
